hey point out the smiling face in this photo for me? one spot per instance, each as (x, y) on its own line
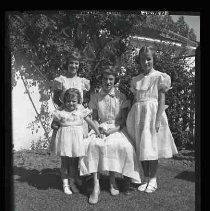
(73, 66)
(71, 103)
(108, 82)
(146, 61)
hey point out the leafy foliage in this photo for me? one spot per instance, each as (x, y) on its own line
(181, 98)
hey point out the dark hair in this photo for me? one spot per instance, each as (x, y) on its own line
(74, 55)
(69, 93)
(110, 70)
(143, 50)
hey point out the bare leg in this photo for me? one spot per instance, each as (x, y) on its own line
(96, 189)
(96, 182)
(113, 187)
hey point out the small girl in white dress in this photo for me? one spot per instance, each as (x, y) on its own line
(147, 122)
(71, 80)
(69, 140)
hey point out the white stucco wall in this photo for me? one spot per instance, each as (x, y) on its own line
(22, 114)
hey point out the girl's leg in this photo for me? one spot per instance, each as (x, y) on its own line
(113, 187)
(72, 171)
(96, 182)
(64, 175)
(152, 185)
(96, 189)
(153, 165)
(145, 167)
(77, 178)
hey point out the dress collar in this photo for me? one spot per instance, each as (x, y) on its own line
(112, 92)
(151, 71)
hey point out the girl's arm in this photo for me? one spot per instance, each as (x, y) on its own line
(93, 125)
(95, 117)
(161, 108)
(133, 101)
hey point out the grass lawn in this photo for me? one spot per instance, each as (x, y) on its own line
(37, 186)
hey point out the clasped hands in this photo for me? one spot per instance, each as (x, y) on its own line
(104, 132)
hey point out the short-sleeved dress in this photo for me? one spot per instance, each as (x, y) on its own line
(69, 139)
(114, 152)
(63, 83)
(140, 123)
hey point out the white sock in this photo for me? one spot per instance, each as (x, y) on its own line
(65, 182)
(153, 180)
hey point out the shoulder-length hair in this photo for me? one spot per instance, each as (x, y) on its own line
(144, 50)
(74, 55)
(110, 70)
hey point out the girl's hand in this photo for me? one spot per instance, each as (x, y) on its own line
(103, 131)
(110, 131)
(55, 125)
(157, 125)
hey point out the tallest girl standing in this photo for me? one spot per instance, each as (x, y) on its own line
(147, 122)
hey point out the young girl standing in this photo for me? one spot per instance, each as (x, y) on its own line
(69, 137)
(147, 122)
(62, 83)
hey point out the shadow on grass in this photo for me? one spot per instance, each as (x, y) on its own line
(50, 178)
(186, 175)
(44, 179)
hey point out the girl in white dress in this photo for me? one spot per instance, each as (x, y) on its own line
(147, 122)
(62, 83)
(69, 140)
(115, 152)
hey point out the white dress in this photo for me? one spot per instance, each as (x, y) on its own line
(69, 139)
(64, 83)
(114, 152)
(140, 123)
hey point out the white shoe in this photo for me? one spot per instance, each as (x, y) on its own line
(114, 191)
(143, 187)
(152, 186)
(67, 190)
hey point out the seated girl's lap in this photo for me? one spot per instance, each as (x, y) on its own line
(116, 140)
